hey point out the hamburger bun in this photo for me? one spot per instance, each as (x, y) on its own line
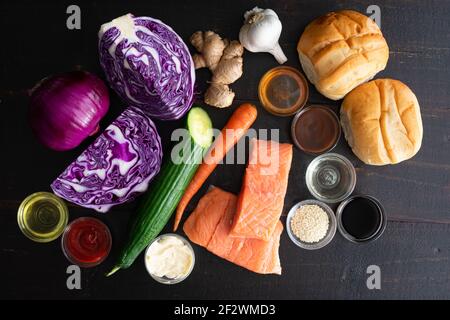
(381, 121)
(341, 50)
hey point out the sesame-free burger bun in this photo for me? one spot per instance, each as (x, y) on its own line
(341, 50)
(381, 121)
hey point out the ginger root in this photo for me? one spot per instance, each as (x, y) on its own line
(224, 59)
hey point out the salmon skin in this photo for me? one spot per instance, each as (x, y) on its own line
(209, 226)
(261, 200)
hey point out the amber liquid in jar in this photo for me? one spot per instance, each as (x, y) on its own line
(316, 129)
(283, 91)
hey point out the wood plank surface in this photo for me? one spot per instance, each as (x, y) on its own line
(413, 253)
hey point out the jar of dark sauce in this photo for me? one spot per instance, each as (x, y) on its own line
(361, 218)
(315, 129)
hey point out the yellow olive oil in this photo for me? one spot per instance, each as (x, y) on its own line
(42, 217)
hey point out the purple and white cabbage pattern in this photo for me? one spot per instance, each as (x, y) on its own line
(148, 65)
(116, 167)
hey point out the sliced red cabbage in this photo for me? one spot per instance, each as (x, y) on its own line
(148, 65)
(116, 167)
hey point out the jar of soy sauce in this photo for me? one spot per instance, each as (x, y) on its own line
(361, 218)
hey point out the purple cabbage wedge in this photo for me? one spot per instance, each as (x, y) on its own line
(148, 65)
(116, 167)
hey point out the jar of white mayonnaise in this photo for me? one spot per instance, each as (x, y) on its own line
(169, 259)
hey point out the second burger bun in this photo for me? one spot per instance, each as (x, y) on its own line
(341, 50)
(381, 121)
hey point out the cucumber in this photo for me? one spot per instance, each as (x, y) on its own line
(160, 201)
(200, 127)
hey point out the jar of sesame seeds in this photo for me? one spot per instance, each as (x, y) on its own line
(311, 224)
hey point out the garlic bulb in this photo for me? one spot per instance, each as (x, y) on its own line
(261, 31)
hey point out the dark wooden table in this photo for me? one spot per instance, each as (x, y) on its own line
(413, 253)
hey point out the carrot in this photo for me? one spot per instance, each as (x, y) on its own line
(238, 124)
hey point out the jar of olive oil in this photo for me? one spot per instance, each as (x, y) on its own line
(42, 216)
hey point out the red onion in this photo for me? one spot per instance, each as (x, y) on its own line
(65, 109)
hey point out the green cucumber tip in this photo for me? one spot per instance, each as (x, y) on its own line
(114, 270)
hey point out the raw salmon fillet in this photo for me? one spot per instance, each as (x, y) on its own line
(203, 221)
(210, 223)
(261, 200)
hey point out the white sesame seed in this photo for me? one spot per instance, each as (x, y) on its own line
(310, 223)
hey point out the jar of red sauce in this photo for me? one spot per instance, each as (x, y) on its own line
(86, 242)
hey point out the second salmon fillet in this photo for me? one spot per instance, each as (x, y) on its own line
(261, 200)
(209, 225)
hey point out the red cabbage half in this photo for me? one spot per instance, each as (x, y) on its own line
(115, 168)
(148, 65)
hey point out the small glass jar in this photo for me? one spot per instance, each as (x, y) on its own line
(283, 91)
(330, 178)
(331, 226)
(366, 222)
(164, 279)
(86, 242)
(316, 129)
(42, 216)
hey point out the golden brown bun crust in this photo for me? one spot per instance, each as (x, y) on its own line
(381, 121)
(341, 50)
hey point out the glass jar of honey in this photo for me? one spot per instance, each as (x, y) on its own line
(283, 91)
